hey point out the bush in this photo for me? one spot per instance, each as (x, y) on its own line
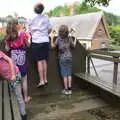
(115, 34)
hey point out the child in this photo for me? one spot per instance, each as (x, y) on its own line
(64, 42)
(40, 28)
(16, 40)
(10, 72)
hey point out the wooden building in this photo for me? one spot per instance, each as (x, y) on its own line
(89, 29)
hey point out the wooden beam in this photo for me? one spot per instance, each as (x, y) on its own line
(107, 58)
(15, 107)
(115, 73)
(1, 100)
(100, 83)
(104, 52)
(7, 108)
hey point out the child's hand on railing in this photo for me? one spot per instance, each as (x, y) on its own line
(13, 78)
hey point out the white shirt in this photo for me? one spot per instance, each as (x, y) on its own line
(39, 27)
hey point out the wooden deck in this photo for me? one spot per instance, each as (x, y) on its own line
(9, 109)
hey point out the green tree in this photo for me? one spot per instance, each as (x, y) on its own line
(112, 19)
(115, 34)
(84, 8)
(78, 7)
(99, 2)
(59, 10)
(56, 11)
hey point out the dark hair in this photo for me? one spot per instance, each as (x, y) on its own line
(2, 45)
(39, 8)
(63, 31)
(11, 30)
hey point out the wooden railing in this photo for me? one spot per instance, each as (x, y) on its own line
(108, 55)
(97, 78)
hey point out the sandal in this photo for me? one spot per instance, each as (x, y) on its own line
(46, 83)
(40, 85)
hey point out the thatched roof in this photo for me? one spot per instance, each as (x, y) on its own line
(83, 26)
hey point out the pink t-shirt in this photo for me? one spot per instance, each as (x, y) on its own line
(19, 42)
(5, 71)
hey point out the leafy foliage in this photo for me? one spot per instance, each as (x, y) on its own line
(99, 2)
(65, 10)
(112, 19)
(84, 8)
(115, 34)
(59, 11)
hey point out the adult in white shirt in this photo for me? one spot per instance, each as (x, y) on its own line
(39, 28)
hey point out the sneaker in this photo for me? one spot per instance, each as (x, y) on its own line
(64, 91)
(69, 92)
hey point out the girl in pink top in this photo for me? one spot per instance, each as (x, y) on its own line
(10, 72)
(16, 40)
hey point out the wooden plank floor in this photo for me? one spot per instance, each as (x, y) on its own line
(100, 83)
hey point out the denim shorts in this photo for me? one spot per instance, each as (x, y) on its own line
(65, 67)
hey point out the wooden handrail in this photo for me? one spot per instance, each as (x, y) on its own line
(113, 53)
(112, 56)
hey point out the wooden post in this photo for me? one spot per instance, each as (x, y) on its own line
(88, 64)
(1, 101)
(115, 72)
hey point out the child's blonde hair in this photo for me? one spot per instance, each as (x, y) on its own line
(63, 31)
